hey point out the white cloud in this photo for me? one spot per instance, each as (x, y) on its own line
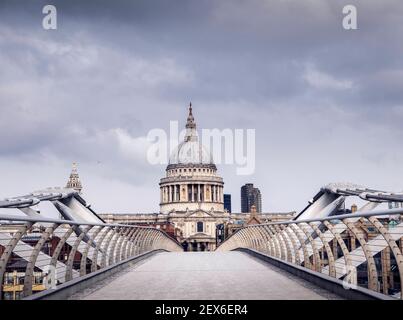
(321, 80)
(134, 148)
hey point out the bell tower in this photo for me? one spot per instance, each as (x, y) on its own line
(74, 180)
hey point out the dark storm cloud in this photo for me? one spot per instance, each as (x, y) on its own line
(326, 103)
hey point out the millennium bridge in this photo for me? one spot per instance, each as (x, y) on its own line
(319, 254)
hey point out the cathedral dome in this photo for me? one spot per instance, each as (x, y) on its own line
(191, 151)
(191, 182)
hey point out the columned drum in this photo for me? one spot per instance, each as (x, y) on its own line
(191, 181)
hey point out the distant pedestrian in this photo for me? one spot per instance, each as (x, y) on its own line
(202, 247)
(185, 245)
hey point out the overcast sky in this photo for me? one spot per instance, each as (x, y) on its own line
(326, 103)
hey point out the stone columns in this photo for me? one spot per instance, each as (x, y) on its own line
(212, 193)
(219, 194)
(220, 188)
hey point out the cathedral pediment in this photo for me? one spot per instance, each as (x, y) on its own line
(200, 235)
(199, 213)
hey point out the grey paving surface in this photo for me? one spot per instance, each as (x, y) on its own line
(203, 275)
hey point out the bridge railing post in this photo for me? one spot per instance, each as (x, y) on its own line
(307, 230)
(285, 246)
(277, 249)
(295, 248)
(9, 249)
(114, 241)
(269, 237)
(91, 242)
(325, 244)
(299, 233)
(123, 237)
(394, 248)
(73, 251)
(103, 234)
(127, 243)
(134, 243)
(111, 233)
(371, 267)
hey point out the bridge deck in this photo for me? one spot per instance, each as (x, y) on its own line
(203, 275)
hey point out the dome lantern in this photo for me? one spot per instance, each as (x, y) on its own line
(191, 151)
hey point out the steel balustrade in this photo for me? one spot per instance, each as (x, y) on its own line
(364, 248)
(39, 253)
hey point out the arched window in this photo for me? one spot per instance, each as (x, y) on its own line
(200, 226)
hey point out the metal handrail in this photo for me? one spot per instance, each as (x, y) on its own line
(339, 245)
(335, 217)
(86, 247)
(340, 216)
(61, 221)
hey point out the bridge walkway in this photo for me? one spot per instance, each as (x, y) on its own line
(203, 276)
